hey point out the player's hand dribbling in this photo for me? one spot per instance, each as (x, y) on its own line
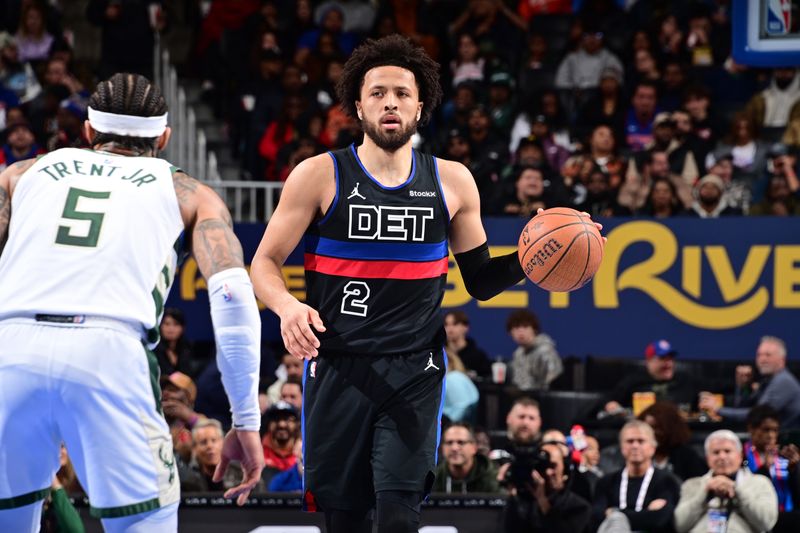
(298, 337)
(243, 446)
(599, 226)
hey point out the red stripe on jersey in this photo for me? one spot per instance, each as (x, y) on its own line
(352, 268)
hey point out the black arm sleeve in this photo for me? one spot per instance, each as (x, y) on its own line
(485, 277)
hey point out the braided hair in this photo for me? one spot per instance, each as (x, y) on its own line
(128, 94)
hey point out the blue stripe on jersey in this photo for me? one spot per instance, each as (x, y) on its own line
(382, 251)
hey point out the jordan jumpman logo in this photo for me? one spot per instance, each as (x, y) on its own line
(356, 193)
(430, 364)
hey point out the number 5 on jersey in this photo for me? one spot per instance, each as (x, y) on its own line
(355, 294)
(71, 214)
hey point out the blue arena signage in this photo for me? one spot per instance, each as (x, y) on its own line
(712, 287)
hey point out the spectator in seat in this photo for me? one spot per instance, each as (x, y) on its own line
(535, 363)
(523, 427)
(290, 480)
(174, 350)
(777, 388)
(673, 451)
(710, 199)
(463, 469)
(640, 497)
(729, 497)
(200, 474)
(640, 116)
(779, 200)
(637, 186)
(281, 432)
(20, 144)
(532, 191)
(33, 39)
(461, 395)
(456, 327)
(178, 394)
(579, 72)
(763, 455)
(292, 392)
(545, 503)
(663, 201)
(658, 376)
(779, 103)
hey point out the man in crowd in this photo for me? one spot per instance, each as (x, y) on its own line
(728, 498)
(178, 393)
(535, 363)
(658, 377)
(781, 464)
(456, 327)
(523, 424)
(777, 388)
(292, 392)
(463, 469)
(640, 496)
(281, 433)
(198, 475)
(544, 502)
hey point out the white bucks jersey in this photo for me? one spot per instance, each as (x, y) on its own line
(92, 234)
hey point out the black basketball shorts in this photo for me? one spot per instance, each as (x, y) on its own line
(370, 423)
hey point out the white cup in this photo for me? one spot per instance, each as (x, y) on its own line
(499, 372)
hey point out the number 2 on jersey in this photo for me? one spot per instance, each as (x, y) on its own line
(71, 212)
(355, 294)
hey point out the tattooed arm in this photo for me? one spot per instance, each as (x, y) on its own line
(237, 325)
(8, 180)
(214, 245)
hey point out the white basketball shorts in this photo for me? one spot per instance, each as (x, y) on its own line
(93, 386)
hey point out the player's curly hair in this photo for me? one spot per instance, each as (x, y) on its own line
(393, 50)
(128, 94)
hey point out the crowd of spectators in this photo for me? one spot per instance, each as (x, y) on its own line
(616, 108)
(618, 111)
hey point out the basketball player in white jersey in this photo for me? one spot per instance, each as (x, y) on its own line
(89, 244)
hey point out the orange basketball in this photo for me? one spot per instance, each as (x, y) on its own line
(560, 249)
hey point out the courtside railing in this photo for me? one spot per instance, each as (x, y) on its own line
(188, 147)
(249, 201)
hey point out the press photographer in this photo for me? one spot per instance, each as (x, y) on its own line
(539, 495)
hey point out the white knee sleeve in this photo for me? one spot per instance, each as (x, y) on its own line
(237, 330)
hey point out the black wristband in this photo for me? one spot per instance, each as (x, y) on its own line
(484, 276)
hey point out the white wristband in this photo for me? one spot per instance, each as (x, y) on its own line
(237, 330)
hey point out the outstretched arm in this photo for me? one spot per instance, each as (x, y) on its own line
(237, 325)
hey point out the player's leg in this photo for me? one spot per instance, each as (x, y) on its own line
(338, 521)
(115, 433)
(406, 440)
(337, 440)
(28, 437)
(397, 511)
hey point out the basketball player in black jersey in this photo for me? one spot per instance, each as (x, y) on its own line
(376, 220)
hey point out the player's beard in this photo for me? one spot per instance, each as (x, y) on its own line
(391, 140)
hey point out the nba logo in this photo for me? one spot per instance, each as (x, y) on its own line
(312, 369)
(779, 17)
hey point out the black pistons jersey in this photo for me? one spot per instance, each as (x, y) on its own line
(376, 263)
